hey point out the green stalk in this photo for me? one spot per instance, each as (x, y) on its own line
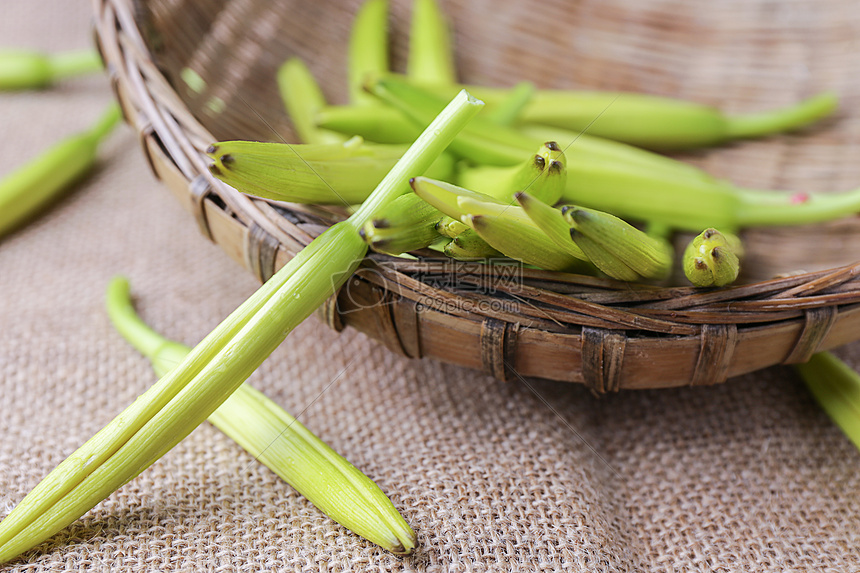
(648, 121)
(666, 124)
(278, 440)
(836, 387)
(491, 144)
(35, 184)
(303, 97)
(769, 208)
(781, 120)
(21, 70)
(379, 123)
(368, 49)
(385, 124)
(218, 365)
(510, 108)
(76, 63)
(431, 57)
(487, 140)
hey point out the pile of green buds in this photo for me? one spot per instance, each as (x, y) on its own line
(418, 168)
(559, 180)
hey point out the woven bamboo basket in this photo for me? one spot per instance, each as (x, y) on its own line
(800, 292)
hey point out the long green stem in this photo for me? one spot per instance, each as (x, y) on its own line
(303, 97)
(278, 440)
(648, 121)
(23, 70)
(368, 48)
(218, 365)
(432, 143)
(75, 63)
(788, 208)
(431, 56)
(781, 120)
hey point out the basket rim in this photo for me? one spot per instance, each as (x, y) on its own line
(611, 335)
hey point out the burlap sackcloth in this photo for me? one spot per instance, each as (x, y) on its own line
(745, 476)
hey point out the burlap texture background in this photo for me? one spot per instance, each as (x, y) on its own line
(748, 476)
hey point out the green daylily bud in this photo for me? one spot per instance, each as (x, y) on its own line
(712, 259)
(448, 227)
(325, 174)
(431, 57)
(407, 224)
(506, 228)
(303, 97)
(368, 49)
(544, 176)
(551, 222)
(469, 246)
(616, 247)
(33, 185)
(522, 241)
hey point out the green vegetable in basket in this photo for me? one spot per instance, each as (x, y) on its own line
(648, 121)
(410, 223)
(666, 124)
(662, 123)
(332, 174)
(21, 70)
(377, 123)
(616, 247)
(406, 224)
(543, 175)
(449, 227)
(431, 56)
(218, 365)
(626, 182)
(390, 125)
(712, 258)
(505, 227)
(278, 440)
(836, 387)
(368, 48)
(551, 221)
(469, 246)
(510, 108)
(488, 136)
(303, 97)
(35, 184)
